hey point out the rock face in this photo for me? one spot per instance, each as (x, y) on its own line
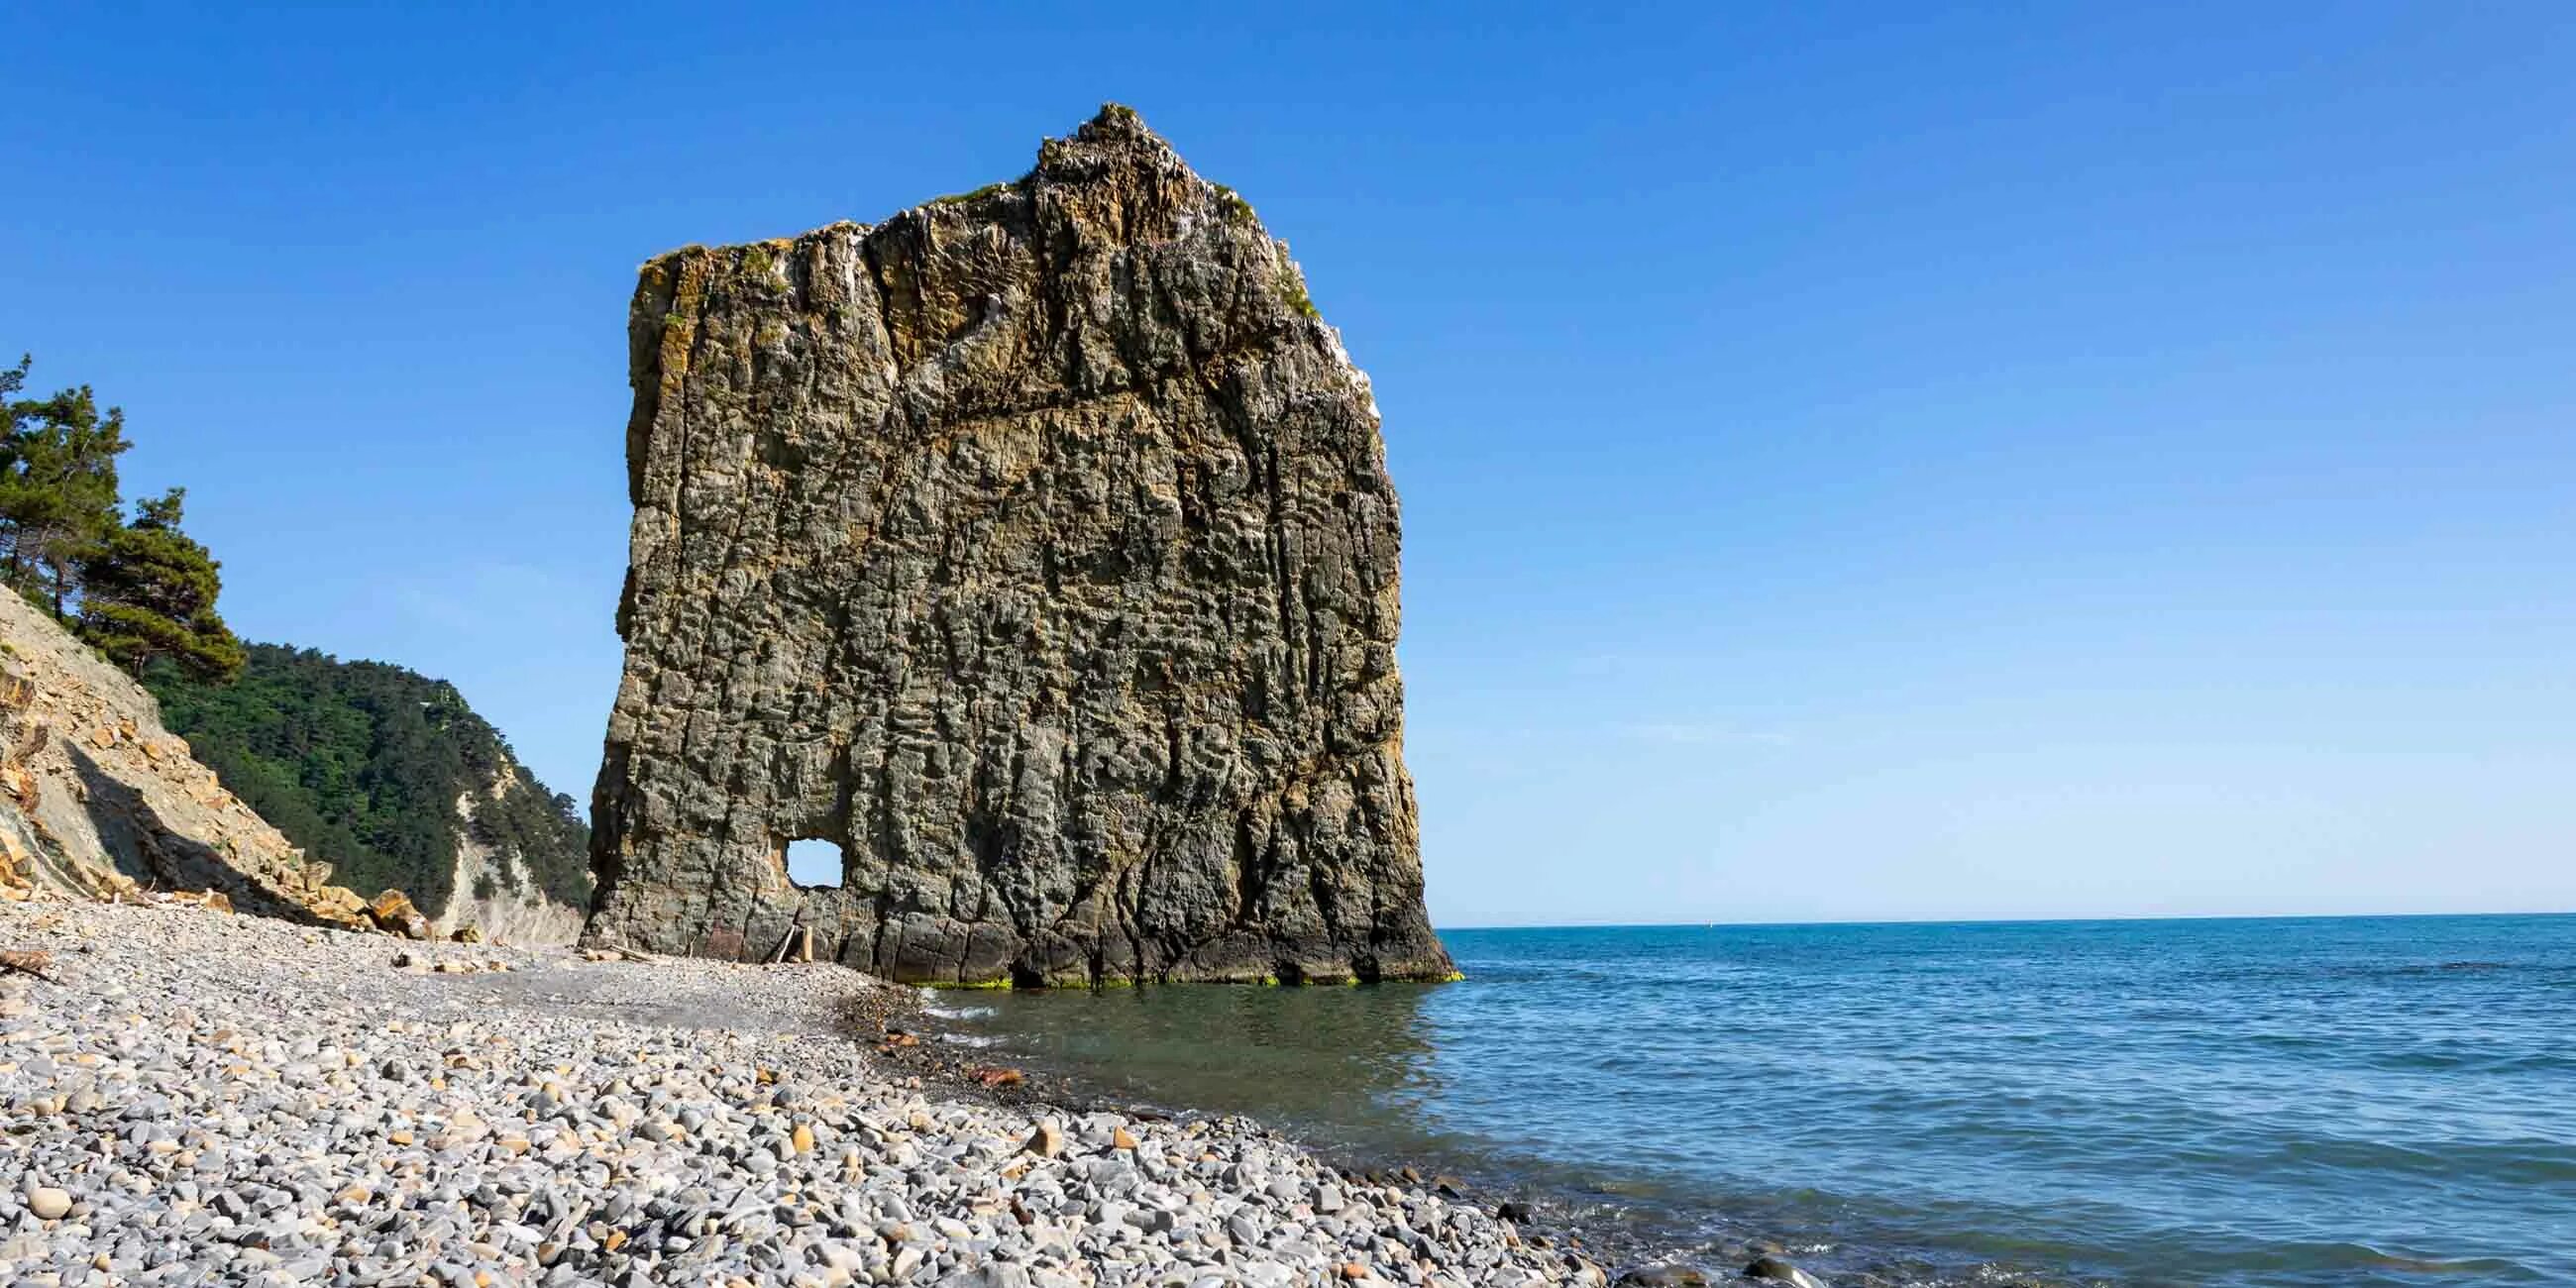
(491, 893)
(97, 800)
(1036, 548)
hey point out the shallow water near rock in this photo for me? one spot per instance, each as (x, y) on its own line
(2332, 1101)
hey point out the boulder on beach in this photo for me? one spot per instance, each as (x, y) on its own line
(1776, 1270)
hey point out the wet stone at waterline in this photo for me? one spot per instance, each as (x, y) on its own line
(1035, 549)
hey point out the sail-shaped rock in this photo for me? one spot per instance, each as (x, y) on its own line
(1035, 547)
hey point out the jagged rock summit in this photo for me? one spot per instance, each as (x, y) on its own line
(1036, 548)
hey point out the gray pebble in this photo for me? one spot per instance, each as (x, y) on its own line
(265, 1114)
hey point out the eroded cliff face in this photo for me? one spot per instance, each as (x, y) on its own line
(1036, 548)
(492, 891)
(98, 801)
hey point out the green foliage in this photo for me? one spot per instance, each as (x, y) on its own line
(148, 592)
(139, 592)
(58, 496)
(362, 764)
(1293, 288)
(959, 198)
(1238, 211)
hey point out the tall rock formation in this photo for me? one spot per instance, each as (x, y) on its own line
(1036, 548)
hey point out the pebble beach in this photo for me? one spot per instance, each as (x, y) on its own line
(197, 1098)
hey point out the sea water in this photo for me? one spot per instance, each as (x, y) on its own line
(2331, 1101)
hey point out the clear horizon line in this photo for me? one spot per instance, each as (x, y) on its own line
(1992, 921)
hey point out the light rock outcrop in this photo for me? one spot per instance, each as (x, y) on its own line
(97, 800)
(1035, 547)
(492, 893)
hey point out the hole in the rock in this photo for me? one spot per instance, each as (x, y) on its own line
(814, 862)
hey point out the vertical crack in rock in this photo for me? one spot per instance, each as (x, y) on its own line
(1035, 547)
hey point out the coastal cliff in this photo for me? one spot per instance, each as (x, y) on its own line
(388, 775)
(348, 793)
(1034, 547)
(98, 800)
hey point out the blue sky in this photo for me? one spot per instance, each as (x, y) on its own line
(1859, 461)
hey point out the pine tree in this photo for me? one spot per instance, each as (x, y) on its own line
(58, 495)
(148, 591)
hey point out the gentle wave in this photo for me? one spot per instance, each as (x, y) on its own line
(2379, 1102)
(933, 1002)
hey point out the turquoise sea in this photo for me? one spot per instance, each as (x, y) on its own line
(2331, 1101)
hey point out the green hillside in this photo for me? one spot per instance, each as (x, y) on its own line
(361, 764)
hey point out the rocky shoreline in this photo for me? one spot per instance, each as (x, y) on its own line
(1656, 1249)
(197, 1098)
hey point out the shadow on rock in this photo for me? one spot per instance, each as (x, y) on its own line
(147, 849)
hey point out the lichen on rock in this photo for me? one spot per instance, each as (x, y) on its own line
(1035, 547)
